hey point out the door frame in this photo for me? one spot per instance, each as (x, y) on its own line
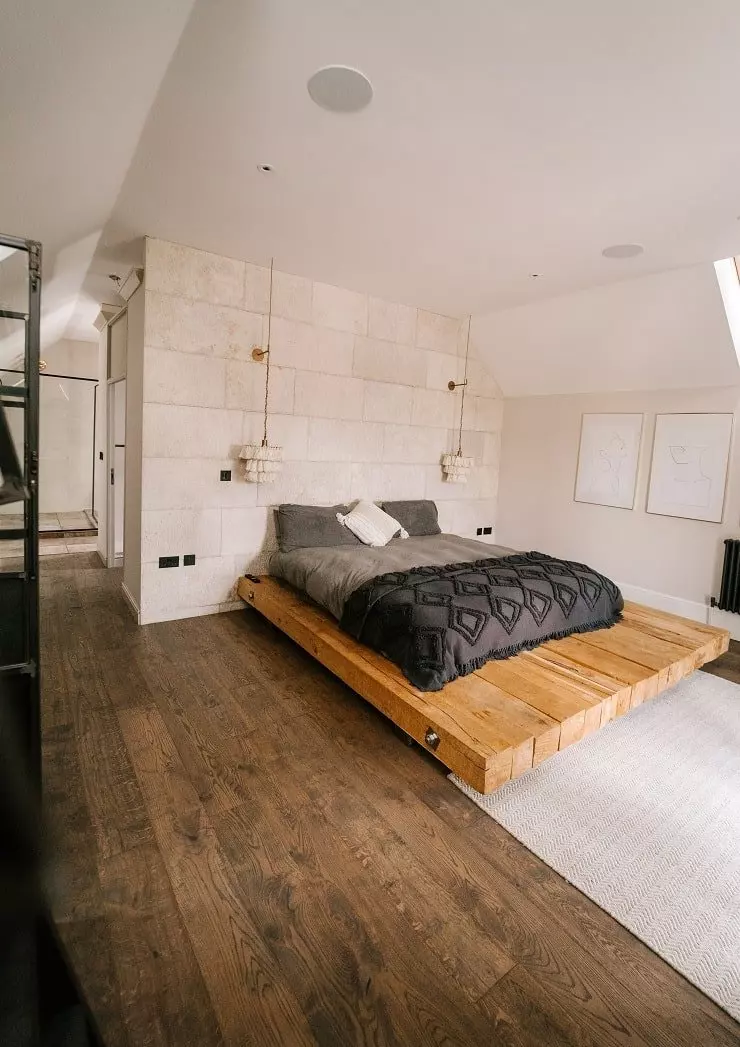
(112, 559)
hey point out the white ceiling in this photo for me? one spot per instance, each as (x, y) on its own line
(504, 139)
(662, 331)
(77, 80)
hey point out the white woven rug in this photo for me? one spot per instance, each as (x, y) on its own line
(644, 818)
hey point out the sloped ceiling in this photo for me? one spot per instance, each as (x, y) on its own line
(77, 81)
(662, 331)
(503, 140)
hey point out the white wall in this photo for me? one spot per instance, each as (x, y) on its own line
(118, 405)
(664, 331)
(66, 438)
(658, 555)
(358, 400)
(101, 440)
(132, 524)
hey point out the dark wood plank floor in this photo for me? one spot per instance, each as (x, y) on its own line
(246, 854)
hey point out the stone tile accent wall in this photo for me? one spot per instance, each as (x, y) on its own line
(358, 400)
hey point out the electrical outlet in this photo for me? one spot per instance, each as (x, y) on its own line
(169, 561)
(487, 530)
(479, 530)
(188, 560)
(226, 474)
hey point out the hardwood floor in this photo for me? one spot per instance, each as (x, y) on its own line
(247, 854)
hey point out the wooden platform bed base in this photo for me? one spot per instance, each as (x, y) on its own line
(508, 716)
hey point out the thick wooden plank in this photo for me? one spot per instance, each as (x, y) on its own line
(694, 635)
(559, 702)
(508, 716)
(637, 646)
(643, 682)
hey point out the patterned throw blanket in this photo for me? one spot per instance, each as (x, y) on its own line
(438, 623)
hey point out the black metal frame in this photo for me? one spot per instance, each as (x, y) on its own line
(50, 998)
(28, 399)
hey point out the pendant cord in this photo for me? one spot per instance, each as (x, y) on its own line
(267, 375)
(464, 387)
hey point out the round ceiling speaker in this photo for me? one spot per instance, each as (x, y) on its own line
(340, 89)
(623, 251)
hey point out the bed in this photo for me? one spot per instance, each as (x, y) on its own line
(494, 714)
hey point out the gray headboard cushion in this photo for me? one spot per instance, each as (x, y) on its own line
(417, 517)
(311, 526)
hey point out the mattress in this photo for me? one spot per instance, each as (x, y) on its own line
(330, 576)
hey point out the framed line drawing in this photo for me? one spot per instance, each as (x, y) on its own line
(688, 474)
(608, 456)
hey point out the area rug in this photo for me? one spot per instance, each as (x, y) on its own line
(643, 817)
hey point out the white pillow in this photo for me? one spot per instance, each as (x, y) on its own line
(371, 525)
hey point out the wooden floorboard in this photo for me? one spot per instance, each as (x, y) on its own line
(246, 853)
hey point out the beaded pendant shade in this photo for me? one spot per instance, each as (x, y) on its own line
(456, 466)
(263, 461)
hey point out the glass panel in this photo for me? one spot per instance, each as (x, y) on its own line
(13, 280)
(12, 549)
(66, 454)
(12, 349)
(12, 513)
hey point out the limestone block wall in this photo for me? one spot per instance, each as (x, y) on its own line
(358, 400)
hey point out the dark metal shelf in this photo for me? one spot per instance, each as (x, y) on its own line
(13, 390)
(12, 532)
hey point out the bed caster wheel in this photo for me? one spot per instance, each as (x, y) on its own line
(432, 739)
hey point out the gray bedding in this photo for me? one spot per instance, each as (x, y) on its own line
(330, 576)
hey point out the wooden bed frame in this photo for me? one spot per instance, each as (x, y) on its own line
(510, 715)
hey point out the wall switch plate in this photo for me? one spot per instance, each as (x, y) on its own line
(169, 561)
(226, 474)
(487, 530)
(188, 559)
(479, 530)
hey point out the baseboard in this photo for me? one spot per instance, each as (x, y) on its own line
(693, 609)
(191, 612)
(133, 605)
(180, 612)
(725, 620)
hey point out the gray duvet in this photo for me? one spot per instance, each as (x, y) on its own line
(330, 576)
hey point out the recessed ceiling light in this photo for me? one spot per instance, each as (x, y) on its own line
(623, 251)
(265, 168)
(340, 89)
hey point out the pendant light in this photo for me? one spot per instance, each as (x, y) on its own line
(263, 461)
(456, 467)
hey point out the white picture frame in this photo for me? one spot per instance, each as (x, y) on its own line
(608, 458)
(688, 472)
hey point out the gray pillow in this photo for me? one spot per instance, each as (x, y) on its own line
(311, 526)
(418, 518)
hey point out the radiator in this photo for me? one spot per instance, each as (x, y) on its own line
(729, 594)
